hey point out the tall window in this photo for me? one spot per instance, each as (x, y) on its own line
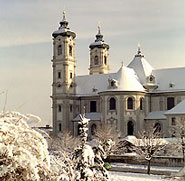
(59, 108)
(71, 108)
(60, 127)
(170, 103)
(70, 50)
(92, 106)
(141, 104)
(130, 103)
(59, 75)
(59, 49)
(130, 128)
(96, 60)
(71, 75)
(105, 60)
(112, 103)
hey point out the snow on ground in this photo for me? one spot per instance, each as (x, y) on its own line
(123, 176)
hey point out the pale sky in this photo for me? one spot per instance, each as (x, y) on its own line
(26, 43)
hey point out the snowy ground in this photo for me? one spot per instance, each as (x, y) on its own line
(122, 176)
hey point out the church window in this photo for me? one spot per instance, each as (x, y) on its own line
(59, 75)
(71, 75)
(96, 60)
(93, 129)
(59, 49)
(105, 60)
(59, 108)
(112, 103)
(170, 103)
(60, 127)
(71, 108)
(173, 121)
(70, 50)
(141, 104)
(130, 128)
(130, 103)
(92, 106)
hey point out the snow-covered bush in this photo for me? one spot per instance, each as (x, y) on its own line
(23, 151)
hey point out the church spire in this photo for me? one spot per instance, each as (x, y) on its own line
(138, 49)
(99, 36)
(64, 23)
(139, 54)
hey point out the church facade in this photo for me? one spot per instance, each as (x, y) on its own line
(133, 98)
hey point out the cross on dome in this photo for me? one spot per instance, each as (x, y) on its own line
(138, 49)
(64, 14)
(99, 32)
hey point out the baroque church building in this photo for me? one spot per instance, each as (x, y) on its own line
(133, 98)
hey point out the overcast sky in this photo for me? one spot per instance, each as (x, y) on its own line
(26, 43)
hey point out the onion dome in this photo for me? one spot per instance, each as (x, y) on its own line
(99, 42)
(64, 30)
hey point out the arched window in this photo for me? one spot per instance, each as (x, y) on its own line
(130, 103)
(59, 49)
(105, 60)
(70, 50)
(157, 128)
(60, 127)
(141, 104)
(96, 60)
(130, 128)
(93, 129)
(112, 104)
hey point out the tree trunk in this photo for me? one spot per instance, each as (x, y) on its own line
(149, 165)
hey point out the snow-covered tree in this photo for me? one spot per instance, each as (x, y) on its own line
(148, 145)
(63, 142)
(109, 132)
(23, 152)
(85, 157)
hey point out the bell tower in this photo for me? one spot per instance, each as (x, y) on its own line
(64, 65)
(99, 55)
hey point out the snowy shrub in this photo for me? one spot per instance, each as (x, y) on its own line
(23, 151)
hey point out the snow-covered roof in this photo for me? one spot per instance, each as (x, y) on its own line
(93, 84)
(141, 142)
(95, 116)
(142, 68)
(178, 109)
(170, 79)
(156, 115)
